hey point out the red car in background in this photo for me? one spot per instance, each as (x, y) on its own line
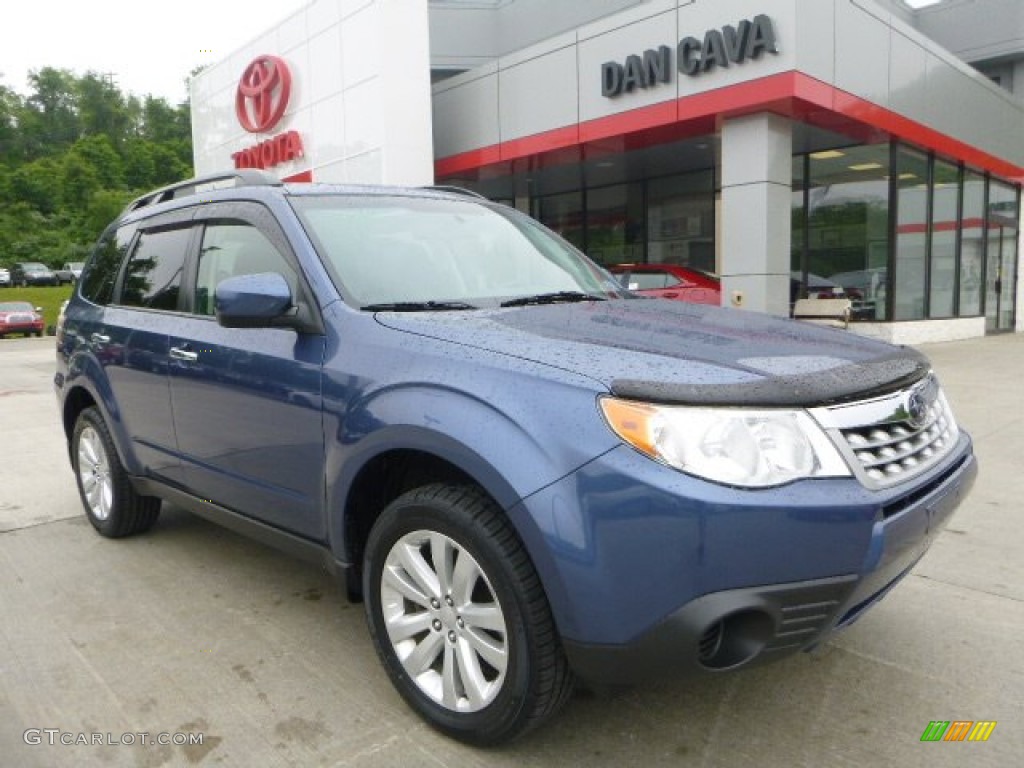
(20, 317)
(670, 281)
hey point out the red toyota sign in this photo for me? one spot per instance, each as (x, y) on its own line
(263, 93)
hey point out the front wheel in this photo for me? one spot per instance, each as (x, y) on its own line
(459, 618)
(111, 504)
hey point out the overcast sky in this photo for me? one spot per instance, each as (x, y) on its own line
(149, 46)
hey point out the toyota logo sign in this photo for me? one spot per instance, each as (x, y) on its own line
(263, 93)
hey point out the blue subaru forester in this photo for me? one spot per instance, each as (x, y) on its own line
(527, 474)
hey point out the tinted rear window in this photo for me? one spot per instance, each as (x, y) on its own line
(152, 278)
(99, 278)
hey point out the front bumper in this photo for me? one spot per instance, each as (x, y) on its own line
(654, 572)
(21, 328)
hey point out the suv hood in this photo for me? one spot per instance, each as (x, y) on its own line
(673, 352)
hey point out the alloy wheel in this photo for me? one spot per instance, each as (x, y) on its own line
(94, 473)
(444, 621)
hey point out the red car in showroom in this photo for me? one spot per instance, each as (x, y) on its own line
(20, 317)
(670, 281)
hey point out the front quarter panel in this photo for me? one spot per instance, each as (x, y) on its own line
(492, 416)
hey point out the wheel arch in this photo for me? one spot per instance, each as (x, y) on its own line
(77, 400)
(80, 396)
(394, 465)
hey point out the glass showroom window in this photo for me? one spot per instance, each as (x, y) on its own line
(798, 220)
(847, 224)
(1001, 257)
(562, 214)
(972, 244)
(615, 224)
(911, 235)
(945, 223)
(681, 220)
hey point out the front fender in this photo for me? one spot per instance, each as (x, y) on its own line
(488, 440)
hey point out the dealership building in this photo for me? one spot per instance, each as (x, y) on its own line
(872, 144)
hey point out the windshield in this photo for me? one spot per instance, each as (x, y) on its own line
(408, 250)
(34, 267)
(15, 306)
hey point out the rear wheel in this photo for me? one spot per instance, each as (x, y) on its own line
(111, 504)
(459, 618)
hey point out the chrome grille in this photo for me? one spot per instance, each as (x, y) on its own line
(895, 438)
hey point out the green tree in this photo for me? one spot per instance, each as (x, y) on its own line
(161, 122)
(104, 207)
(79, 181)
(139, 165)
(98, 151)
(73, 152)
(101, 108)
(10, 141)
(169, 168)
(37, 185)
(51, 114)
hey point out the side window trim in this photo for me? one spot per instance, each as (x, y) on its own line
(255, 215)
(173, 220)
(263, 220)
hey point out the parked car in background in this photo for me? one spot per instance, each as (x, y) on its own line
(70, 272)
(670, 281)
(20, 317)
(526, 473)
(5, 277)
(27, 273)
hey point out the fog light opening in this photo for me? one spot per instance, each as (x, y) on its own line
(735, 639)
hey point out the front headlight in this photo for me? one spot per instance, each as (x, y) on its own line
(732, 446)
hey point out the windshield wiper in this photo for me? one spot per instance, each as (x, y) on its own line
(552, 298)
(417, 306)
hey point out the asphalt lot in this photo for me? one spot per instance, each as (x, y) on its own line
(193, 629)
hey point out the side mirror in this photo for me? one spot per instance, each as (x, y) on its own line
(254, 301)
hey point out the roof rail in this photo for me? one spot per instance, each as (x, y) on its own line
(242, 177)
(454, 190)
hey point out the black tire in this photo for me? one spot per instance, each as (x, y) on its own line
(536, 681)
(111, 504)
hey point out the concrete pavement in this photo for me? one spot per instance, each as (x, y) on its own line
(191, 629)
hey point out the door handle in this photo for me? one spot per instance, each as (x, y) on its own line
(100, 338)
(180, 353)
